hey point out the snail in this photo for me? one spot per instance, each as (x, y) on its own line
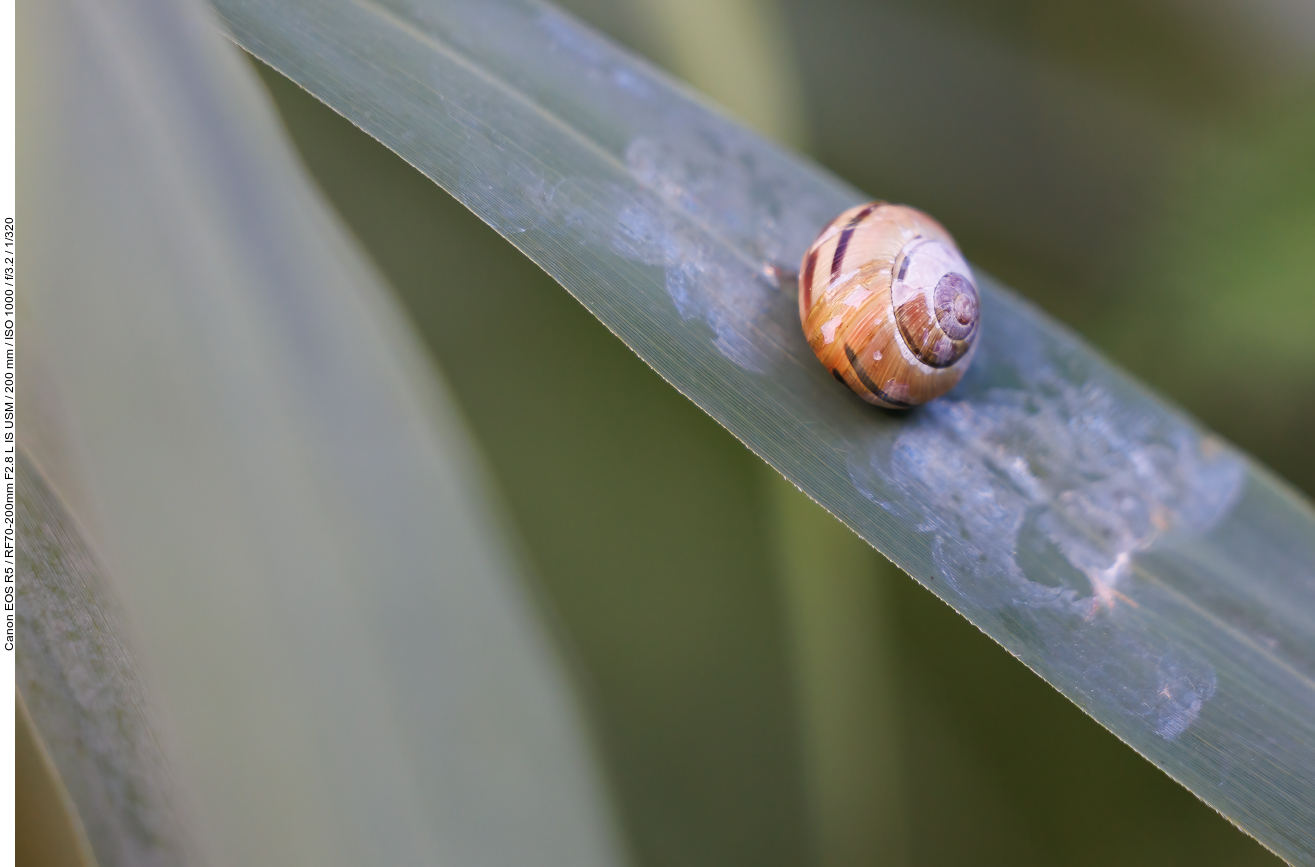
(888, 304)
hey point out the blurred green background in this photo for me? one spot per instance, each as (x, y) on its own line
(768, 690)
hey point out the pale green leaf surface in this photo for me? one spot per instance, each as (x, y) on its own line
(1146, 569)
(327, 618)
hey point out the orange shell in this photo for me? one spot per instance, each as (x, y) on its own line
(889, 305)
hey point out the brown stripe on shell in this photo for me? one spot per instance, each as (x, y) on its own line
(918, 329)
(845, 235)
(903, 267)
(806, 282)
(871, 386)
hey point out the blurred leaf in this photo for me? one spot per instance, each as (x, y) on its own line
(683, 646)
(84, 692)
(328, 617)
(48, 830)
(839, 619)
(49, 833)
(1145, 569)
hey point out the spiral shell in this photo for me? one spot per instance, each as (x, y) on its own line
(889, 305)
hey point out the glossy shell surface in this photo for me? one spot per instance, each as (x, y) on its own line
(889, 305)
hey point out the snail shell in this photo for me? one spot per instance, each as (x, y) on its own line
(889, 305)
